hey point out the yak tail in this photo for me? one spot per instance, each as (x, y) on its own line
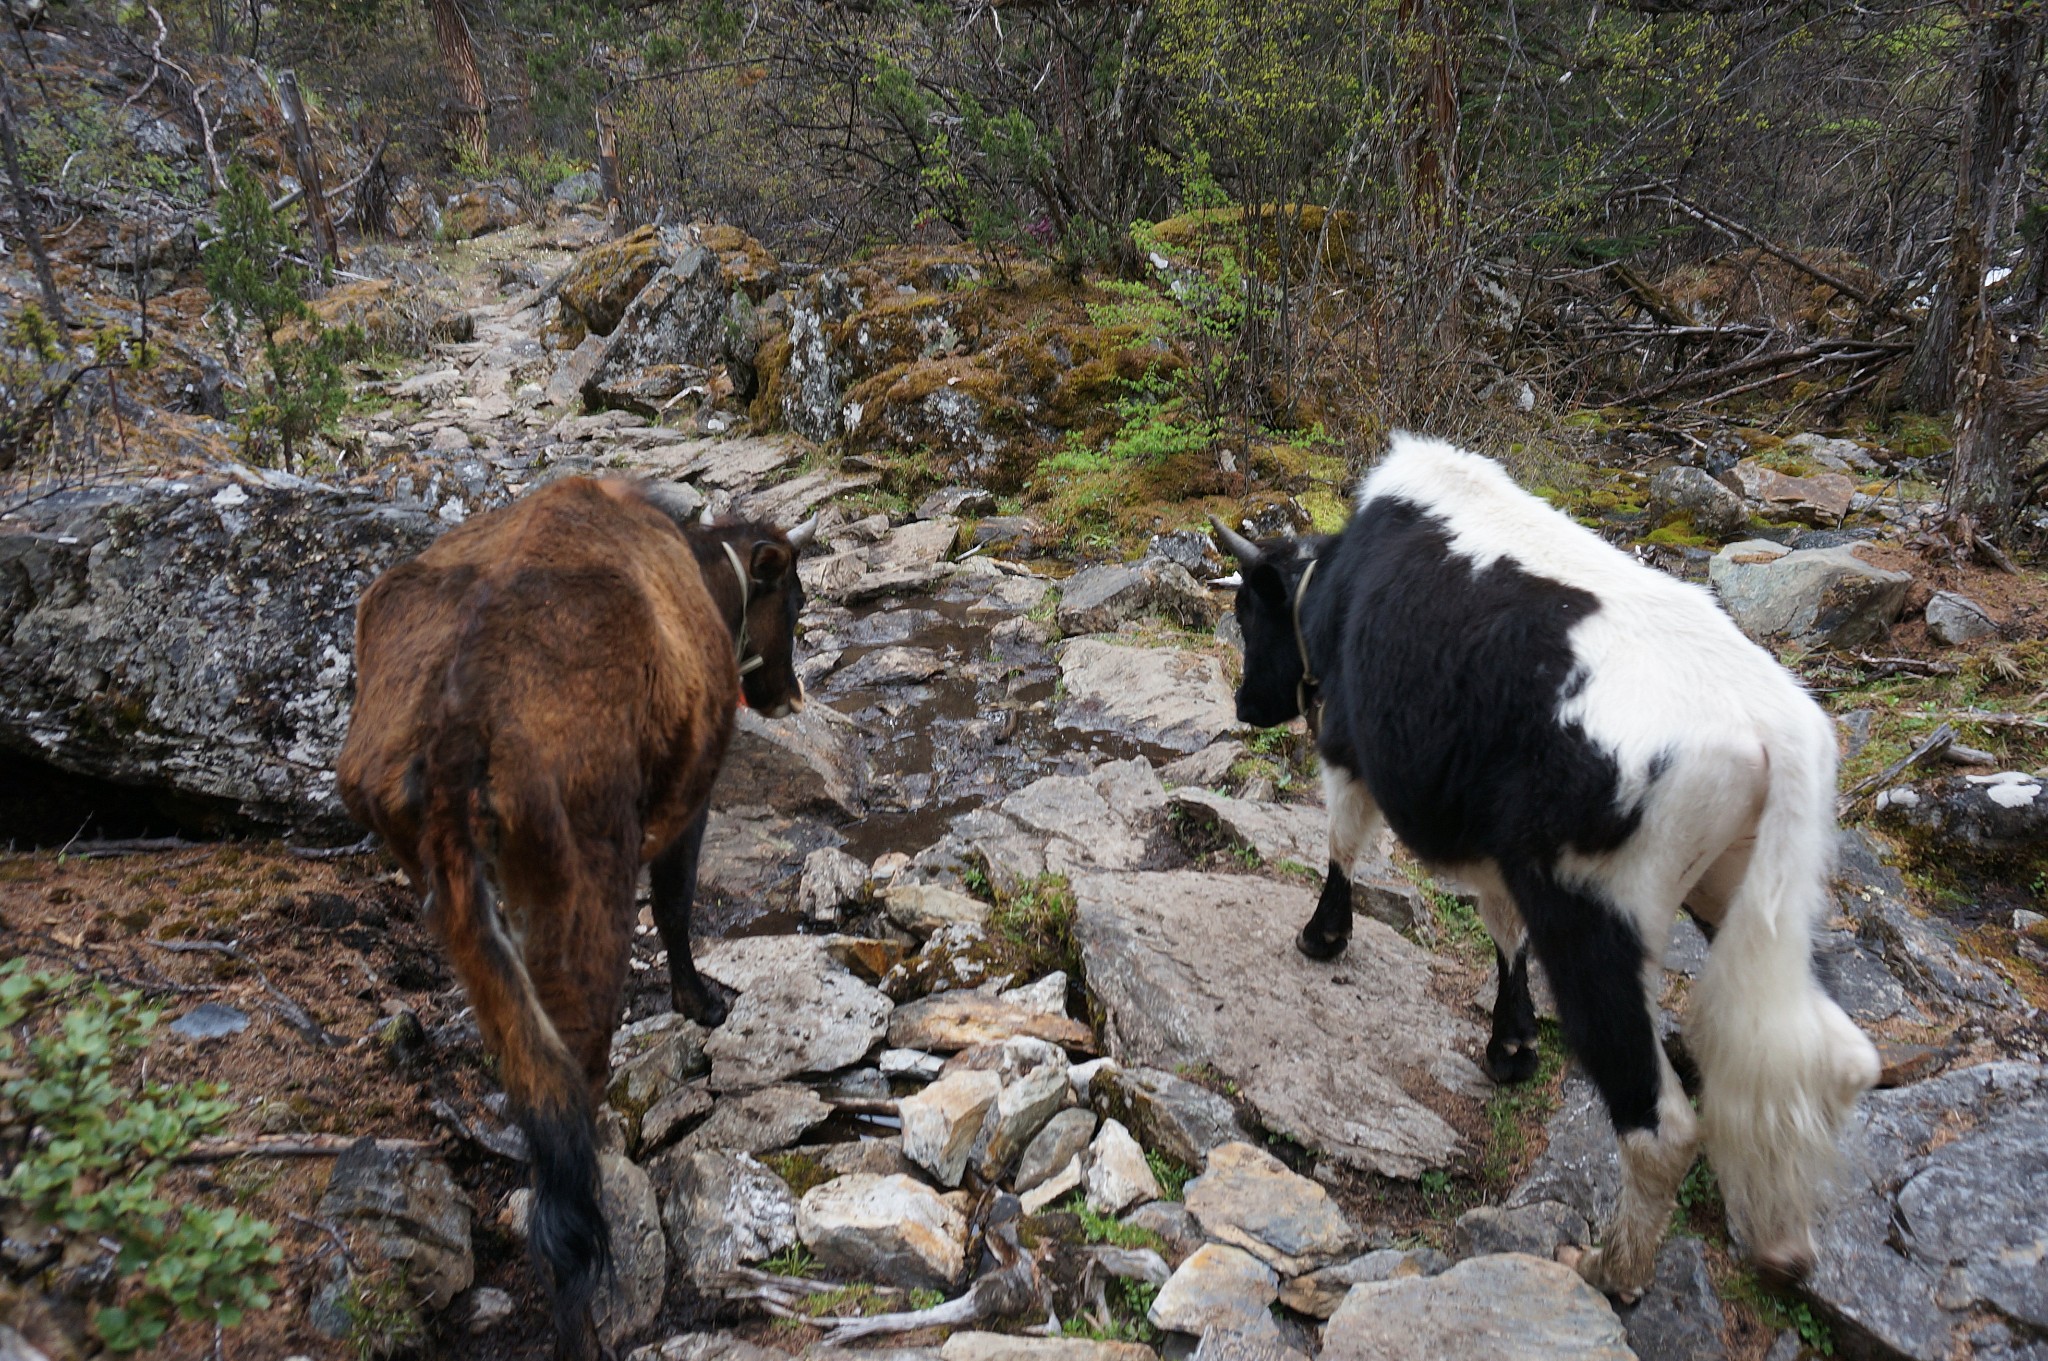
(549, 1096)
(1781, 1064)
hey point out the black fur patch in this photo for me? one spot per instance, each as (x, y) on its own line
(566, 1230)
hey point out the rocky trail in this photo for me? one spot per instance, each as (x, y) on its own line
(1021, 1060)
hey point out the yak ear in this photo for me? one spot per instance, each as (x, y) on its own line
(770, 562)
(1234, 543)
(801, 537)
(1265, 583)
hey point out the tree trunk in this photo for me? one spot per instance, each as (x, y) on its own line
(1429, 140)
(299, 134)
(24, 209)
(1988, 437)
(472, 128)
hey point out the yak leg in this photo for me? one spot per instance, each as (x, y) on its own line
(674, 879)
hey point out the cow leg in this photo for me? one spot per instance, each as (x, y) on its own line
(1354, 822)
(1593, 954)
(673, 877)
(1512, 1050)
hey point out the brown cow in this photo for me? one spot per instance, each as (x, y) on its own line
(543, 698)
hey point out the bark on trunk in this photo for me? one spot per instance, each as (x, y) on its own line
(1989, 432)
(299, 134)
(471, 132)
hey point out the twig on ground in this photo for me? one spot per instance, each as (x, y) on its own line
(287, 1008)
(366, 846)
(225, 1147)
(1932, 745)
(1892, 666)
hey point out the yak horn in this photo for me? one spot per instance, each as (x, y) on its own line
(800, 538)
(1241, 548)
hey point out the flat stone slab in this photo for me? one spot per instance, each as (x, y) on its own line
(1251, 1200)
(1944, 1226)
(799, 1011)
(1201, 969)
(1504, 1308)
(1170, 697)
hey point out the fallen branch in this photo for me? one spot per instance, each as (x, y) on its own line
(1932, 745)
(1958, 754)
(367, 846)
(1826, 352)
(1998, 720)
(1914, 666)
(223, 1148)
(1728, 224)
(288, 1010)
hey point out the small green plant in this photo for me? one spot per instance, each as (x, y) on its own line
(1778, 1311)
(104, 1142)
(924, 1297)
(251, 265)
(382, 1317)
(1512, 1111)
(1102, 1228)
(1171, 1176)
(794, 1260)
(1038, 918)
(976, 881)
(1129, 1304)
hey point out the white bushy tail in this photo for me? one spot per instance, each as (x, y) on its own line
(1781, 1065)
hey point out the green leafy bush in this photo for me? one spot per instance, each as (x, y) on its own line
(252, 268)
(85, 1150)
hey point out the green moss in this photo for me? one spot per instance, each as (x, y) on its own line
(1677, 531)
(801, 1171)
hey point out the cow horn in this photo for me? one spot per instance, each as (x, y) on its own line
(800, 538)
(1241, 548)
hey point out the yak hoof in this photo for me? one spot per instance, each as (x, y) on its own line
(1320, 947)
(703, 1004)
(1512, 1061)
(1785, 1270)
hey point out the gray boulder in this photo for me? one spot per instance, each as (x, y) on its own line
(1162, 953)
(799, 1011)
(195, 634)
(1954, 619)
(1976, 815)
(813, 761)
(1251, 1200)
(1679, 1317)
(722, 1210)
(1177, 698)
(1941, 1228)
(832, 882)
(1098, 599)
(1713, 508)
(406, 1212)
(1167, 1114)
(1822, 499)
(1504, 1308)
(629, 1296)
(1538, 1229)
(1817, 597)
(888, 1229)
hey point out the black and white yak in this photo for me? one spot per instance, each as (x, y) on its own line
(1589, 745)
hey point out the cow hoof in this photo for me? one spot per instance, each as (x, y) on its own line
(1320, 947)
(1512, 1061)
(1784, 1270)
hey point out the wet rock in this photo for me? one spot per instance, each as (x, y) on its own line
(1005, 1347)
(405, 1211)
(1249, 1198)
(1538, 1229)
(954, 1021)
(893, 1230)
(889, 666)
(211, 1021)
(722, 1210)
(1822, 499)
(1318, 1293)
(1115, 1172)
(1065, 1137)
(1160, 951)
(923, 909)
(1276, 831)
(759, 1121)
(1679, 1317)
(1713, 508)
(1943, 1222)
(195, 634)
(1955, 619)
(1505, 1308)
(629, 1296)
(815, 759)
(1168, 1114)
(1217, 1287)
(1818, 597)
(1098, 599)
(1177, 698)
(1034, 1086)
(832, 883)
(941, 1123)
(1970, 815)
(799, 1011)
(1017, 536)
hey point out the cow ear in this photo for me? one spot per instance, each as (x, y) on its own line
(770, 562)
(1266, 585)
